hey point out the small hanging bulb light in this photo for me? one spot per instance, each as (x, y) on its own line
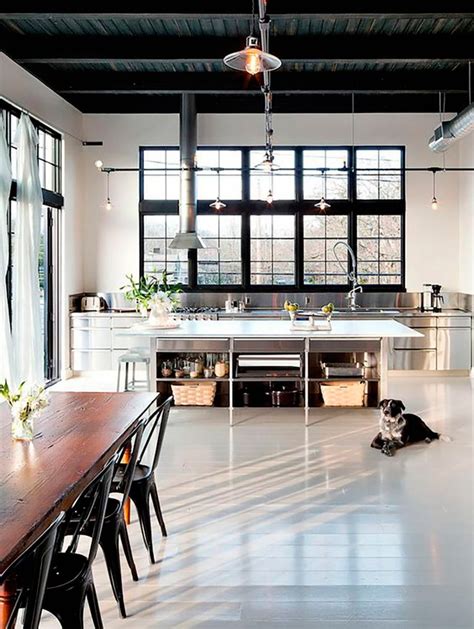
(323, 204)
(434, 200)
(218, 204)
(267, 164)
(108, 204)
(270, 197)
(98, 164)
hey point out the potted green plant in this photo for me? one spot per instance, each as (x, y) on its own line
(144, 290)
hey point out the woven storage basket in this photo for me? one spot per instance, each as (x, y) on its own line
(343, 393)
(195, 394)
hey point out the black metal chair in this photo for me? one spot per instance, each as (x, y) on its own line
(115, 528)
(70, 580)
(143, 484)
(31, 571)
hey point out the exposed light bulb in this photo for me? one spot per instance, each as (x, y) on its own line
(434, 203)
(98, 164)
(218, 204)
(323, 204)
(108, 205)
(253, 64)
(270, 197)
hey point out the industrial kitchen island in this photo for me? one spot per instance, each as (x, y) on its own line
(267, 356)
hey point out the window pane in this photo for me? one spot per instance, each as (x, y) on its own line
(272, 249)
(158, 232)
(378, 183)
(330, 182)
(221, 263)
(160, 183)
(379, 249)
(213, 182)
(321, 233)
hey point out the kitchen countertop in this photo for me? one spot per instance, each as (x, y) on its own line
(344, 329)
(280, 314)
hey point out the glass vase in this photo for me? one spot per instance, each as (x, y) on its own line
(23, 430)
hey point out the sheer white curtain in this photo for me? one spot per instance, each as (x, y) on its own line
(5, 185)
(26, 313)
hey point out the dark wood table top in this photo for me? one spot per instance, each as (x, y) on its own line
(77, 434)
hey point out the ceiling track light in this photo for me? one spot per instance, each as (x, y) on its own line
(252, 58)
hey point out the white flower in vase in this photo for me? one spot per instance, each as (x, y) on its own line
(161, 306)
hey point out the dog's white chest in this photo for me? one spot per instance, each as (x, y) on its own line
(392, 430)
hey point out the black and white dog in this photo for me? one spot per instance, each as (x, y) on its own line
(399, 429)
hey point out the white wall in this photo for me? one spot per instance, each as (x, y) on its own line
(466, 217)
(111, 238)
(23, 90)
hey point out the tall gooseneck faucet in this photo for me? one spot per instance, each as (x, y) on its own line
(351, 275)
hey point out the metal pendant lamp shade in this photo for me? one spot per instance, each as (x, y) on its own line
(252, 59)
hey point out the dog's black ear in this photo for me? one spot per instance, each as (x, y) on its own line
(383, 403)
(402, 405)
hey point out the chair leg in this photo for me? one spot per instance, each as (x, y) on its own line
(109, 544)
(67, 608)
(156, 504)
(141, 500)
(119, 369)
(128, 550)
(94, 606)
(126, 377)
(134, 378)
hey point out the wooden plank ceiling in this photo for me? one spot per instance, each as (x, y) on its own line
(392, 56)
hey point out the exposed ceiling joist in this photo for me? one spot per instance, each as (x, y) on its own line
(338, 48)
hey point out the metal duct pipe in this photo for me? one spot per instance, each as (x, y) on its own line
(449, 132)
(187, 238)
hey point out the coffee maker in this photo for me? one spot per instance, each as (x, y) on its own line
(431, 301)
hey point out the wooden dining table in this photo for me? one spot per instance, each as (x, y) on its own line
(75, 436)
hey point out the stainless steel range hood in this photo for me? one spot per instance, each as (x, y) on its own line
(187, 238)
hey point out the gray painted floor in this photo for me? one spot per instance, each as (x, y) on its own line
(274, 525)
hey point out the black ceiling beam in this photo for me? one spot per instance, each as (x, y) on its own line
(188, 9)
(103, 82)
(36, 49)
(331, 103)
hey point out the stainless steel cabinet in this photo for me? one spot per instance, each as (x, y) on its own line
(453, 348)
(424, 359)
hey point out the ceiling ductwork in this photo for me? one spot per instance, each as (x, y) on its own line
(187, 238)
(449, 132)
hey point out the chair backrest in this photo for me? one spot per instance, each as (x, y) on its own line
(127, 458)
(93, 500)
(37, 559)
(158, 417)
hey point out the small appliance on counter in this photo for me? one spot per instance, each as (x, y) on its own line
(431, 300)
(92, 303)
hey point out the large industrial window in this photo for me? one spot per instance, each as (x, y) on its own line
(49, 161)
(288, 243)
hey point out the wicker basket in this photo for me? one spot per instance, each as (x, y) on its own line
(343, 393)
(195, 394)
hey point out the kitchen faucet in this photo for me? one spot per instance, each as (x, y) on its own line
(351, 276)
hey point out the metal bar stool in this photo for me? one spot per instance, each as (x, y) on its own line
(132, 357)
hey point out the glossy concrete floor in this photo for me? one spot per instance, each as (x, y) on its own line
(274, 525)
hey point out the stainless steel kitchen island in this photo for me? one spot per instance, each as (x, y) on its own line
(362, 342)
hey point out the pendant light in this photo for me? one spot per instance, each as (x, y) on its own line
(267, 164)
(270, 197)
(108, 204)
(98, 164)
(434, 200)
(323, 204)
(218, 204)
(252, 58)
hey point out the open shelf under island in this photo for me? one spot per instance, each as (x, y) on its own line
(363, 342)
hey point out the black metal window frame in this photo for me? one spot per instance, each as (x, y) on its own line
(299, 207)
(52, 200)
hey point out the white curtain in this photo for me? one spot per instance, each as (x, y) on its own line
(5, 185)
(26, 313)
